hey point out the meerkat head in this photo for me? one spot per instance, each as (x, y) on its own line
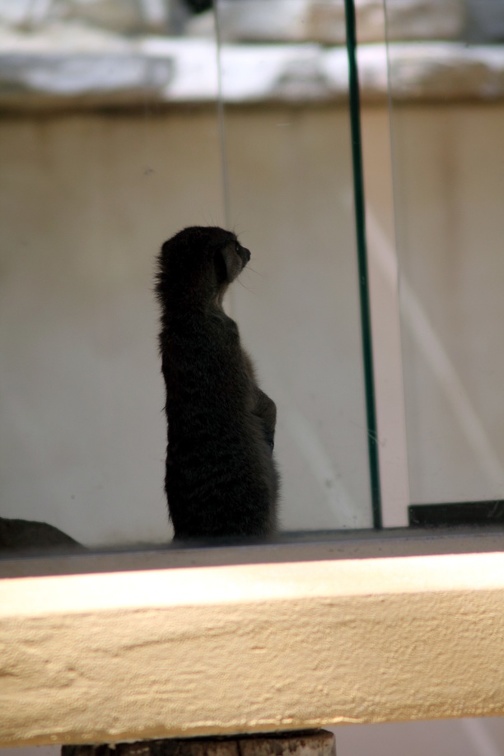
(200, 261)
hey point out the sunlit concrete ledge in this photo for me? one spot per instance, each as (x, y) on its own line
(249, 647)
(39, 75)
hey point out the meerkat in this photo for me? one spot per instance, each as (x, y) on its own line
(221, 478)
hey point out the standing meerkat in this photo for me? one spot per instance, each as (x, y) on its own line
(221, 478)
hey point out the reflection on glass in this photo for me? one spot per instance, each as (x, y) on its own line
(110, 142)
(447, 95)
(290, 195)
(108, 145)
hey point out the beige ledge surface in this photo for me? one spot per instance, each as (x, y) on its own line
(108, 657)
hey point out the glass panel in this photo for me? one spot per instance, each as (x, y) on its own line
(110, 142)
(108, 145)
(447, 110)
(290, 196)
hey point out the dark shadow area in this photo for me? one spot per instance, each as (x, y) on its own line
(286, 547)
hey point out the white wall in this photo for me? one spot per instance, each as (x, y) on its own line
(450, 229)
(447, 229)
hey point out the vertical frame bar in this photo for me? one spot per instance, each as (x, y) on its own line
(360, 228)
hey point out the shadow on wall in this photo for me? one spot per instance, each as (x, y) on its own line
(463, 737)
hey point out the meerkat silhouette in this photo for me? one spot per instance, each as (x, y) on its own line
(221, 478)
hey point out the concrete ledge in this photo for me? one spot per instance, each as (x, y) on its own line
(250, 647)
(184, 71)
